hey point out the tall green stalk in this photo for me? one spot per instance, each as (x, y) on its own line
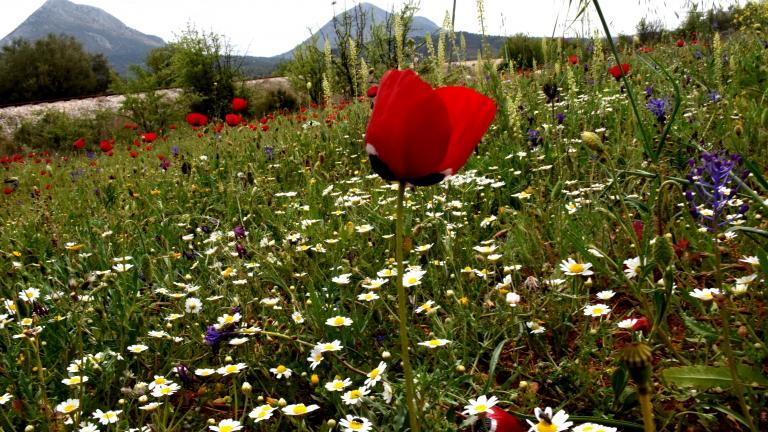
(647, 146)
(402, 314)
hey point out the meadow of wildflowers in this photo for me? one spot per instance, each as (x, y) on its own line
(592, 267)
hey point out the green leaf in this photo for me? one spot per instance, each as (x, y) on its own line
(704, 377)
(619, 381)
(492, 367)
(763, 257)
(704, 330)
(756, 174)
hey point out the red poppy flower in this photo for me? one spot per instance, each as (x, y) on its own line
(642, 324)
(372, 90)
(7, 190)
(79, 143)
(499, 420)
(420, 135)
(105, 146)
(681, 43)
(233, 119)
(617, 72)
(197, 119)
(149, 137)
(573, 59)
(134, 154)
(239, 104)
(646, 50)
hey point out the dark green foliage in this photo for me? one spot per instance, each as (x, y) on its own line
(50, 68)
(523, 50)
(56, 131)
(649, 31)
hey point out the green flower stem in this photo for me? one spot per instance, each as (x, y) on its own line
(402, 314)
(632, 101)
(722, 302)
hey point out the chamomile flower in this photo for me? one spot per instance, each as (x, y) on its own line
(369, 296)
(573, 268)
(633, 267)
(339, 321)
(427, 308)
(29, 295)
(68, 406)
(227, 319)
(193, 305)
(262, 412)
(593, 427)
(107, 417)
(342, 279)
(227, 425)
(231, 369)
(512, 298)
(375, 375)
(549, 423)
(413, 277)
(596, 310)
(354, 397)
(158, 380)
(434, 343)
(138, 348)
(5, 398)
(281, 371)
(373, 284)
(75, 380)
(627, 323)
(297, 317)
(165, 390)
(705, 294)
(355, 424)
(328, 346)
(122, 267)
(536, 327)
(299, 409)
(338, 384)
(315, 357)
(606, 295)
(205, 372)
(481, 405)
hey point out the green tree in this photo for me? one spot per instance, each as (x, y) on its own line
(56, 66)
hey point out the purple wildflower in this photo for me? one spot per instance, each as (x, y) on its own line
(714, 96)
(214, 337)
(239, 231)
(659, 107)
(649, 91)
(712, 189)
(269, 152)
(175, 151)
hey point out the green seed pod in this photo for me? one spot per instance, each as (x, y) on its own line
(663, 252)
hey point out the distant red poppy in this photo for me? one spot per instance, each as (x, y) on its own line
(7, 190)
(105, 146)
(265, 127)
(149, 137)
(573, 59)
(617, 72)
(79, 143)
(134, 154)
(372, 90)
(233, 119)
(420, 135)
(681, 43)
(646, 50)
(197, 119)
(239, 104)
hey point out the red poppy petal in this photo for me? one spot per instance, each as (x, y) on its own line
(470, 113)
(409, 129)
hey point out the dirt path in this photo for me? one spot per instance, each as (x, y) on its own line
(11, 117)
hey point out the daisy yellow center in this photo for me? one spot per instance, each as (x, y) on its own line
(355, 394)
(481, 408)
(374, 373)
(546, 427)
(434, 342)
(229, 319)
(426, 308)
(30, 294)
(576, 268)
(160, 381)
(226, 428)
(231, 369)
(299, 409)
(262, 413)
(69, 407)
(598, 311)
(74, 380)
(338, 321)
(165, 390)
(328, 347)
(707, 296)
(355, 425)
(338, 385)
(412, 280)
(109, 415)
(281, 369)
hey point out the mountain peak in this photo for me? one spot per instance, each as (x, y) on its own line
(97, 30)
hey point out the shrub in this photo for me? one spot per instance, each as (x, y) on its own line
(57, 131)
(61, 68)
(523, 50)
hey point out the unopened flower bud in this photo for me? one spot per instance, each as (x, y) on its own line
(282, 402)
(247, 388)
(385, 355)
(460, 368)
(331, 423)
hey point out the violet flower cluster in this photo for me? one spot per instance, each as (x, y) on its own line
(659, 107)
(712, 191)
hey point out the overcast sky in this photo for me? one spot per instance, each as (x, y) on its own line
(271, 27)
